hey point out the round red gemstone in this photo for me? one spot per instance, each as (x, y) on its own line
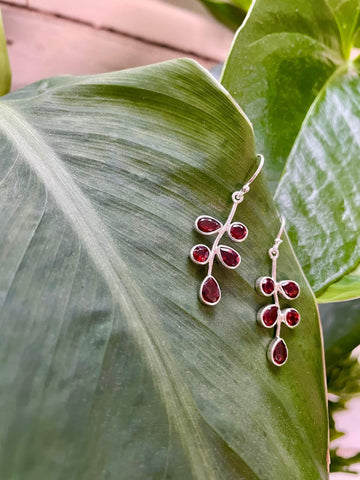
(292, 317)
(229, 257)
(210, 291)
(238, 232)
(290, 289)
(270, 315)
(267, 286)
(200, 253)
(207, 224)
(279, 353)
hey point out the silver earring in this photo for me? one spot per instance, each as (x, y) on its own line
(272, 315)
(210, 293)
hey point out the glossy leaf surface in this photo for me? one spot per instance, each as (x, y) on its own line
(289, 68)
(110, 365)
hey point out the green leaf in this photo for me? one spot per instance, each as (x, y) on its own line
(231, 13)
(110, 366)
(341, 329)
(289, 68)
(348, 287)
(5, 72)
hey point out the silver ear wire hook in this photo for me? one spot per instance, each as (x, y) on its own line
(258, 170)
(274, 250)
(238, 197)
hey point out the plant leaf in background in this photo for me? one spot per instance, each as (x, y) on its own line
(229, 12)
(290, 70)
(110, 366)
(5, 72)
(341, 329)
(343, 380)
(347, 287)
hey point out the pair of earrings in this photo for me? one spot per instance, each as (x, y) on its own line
(268, 316)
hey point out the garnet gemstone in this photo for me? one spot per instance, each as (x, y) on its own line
(200, 254)
(210, 291)
(279, 352)
(229, 257)
(267, 286)
(290, 289)
(292, 317)
(238, 232)
(269, 315)
(207, 225)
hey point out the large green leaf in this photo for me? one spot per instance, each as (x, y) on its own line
(230, 12)
(110, 366)
(289, 68)
(5, 73)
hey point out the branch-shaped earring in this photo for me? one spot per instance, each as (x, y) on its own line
(210, 292)
(271, 315)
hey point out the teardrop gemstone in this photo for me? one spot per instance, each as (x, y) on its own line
(238, 232)
(200, 254)
(266, 286)
(207, 225)
(268, 315)
(292, 317)
(289, 289)
(228, 256)
(210, 292)
(278, 352)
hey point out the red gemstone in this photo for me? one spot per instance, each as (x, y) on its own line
(238, 232)
(267, 286)
(279, 353)
(290, 289)
(207, 224)
(292, 317)
(210, 291)
(229, 257)
(200, 254)
(270, 315)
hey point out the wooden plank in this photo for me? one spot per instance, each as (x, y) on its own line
(19, 2)
(152, 20)
(41, 46)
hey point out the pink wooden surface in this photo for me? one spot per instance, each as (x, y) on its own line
(152, 20)
(114, 37)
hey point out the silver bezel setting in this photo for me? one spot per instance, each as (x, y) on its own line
(235, 239)
(205, 302)
(259, 287)
(207, 233)
(283, 294)
(192, 254)
(271, 349)
(284, 312)
(218, 254)
(260, 315)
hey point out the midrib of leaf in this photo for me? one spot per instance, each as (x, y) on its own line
(100, 247)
